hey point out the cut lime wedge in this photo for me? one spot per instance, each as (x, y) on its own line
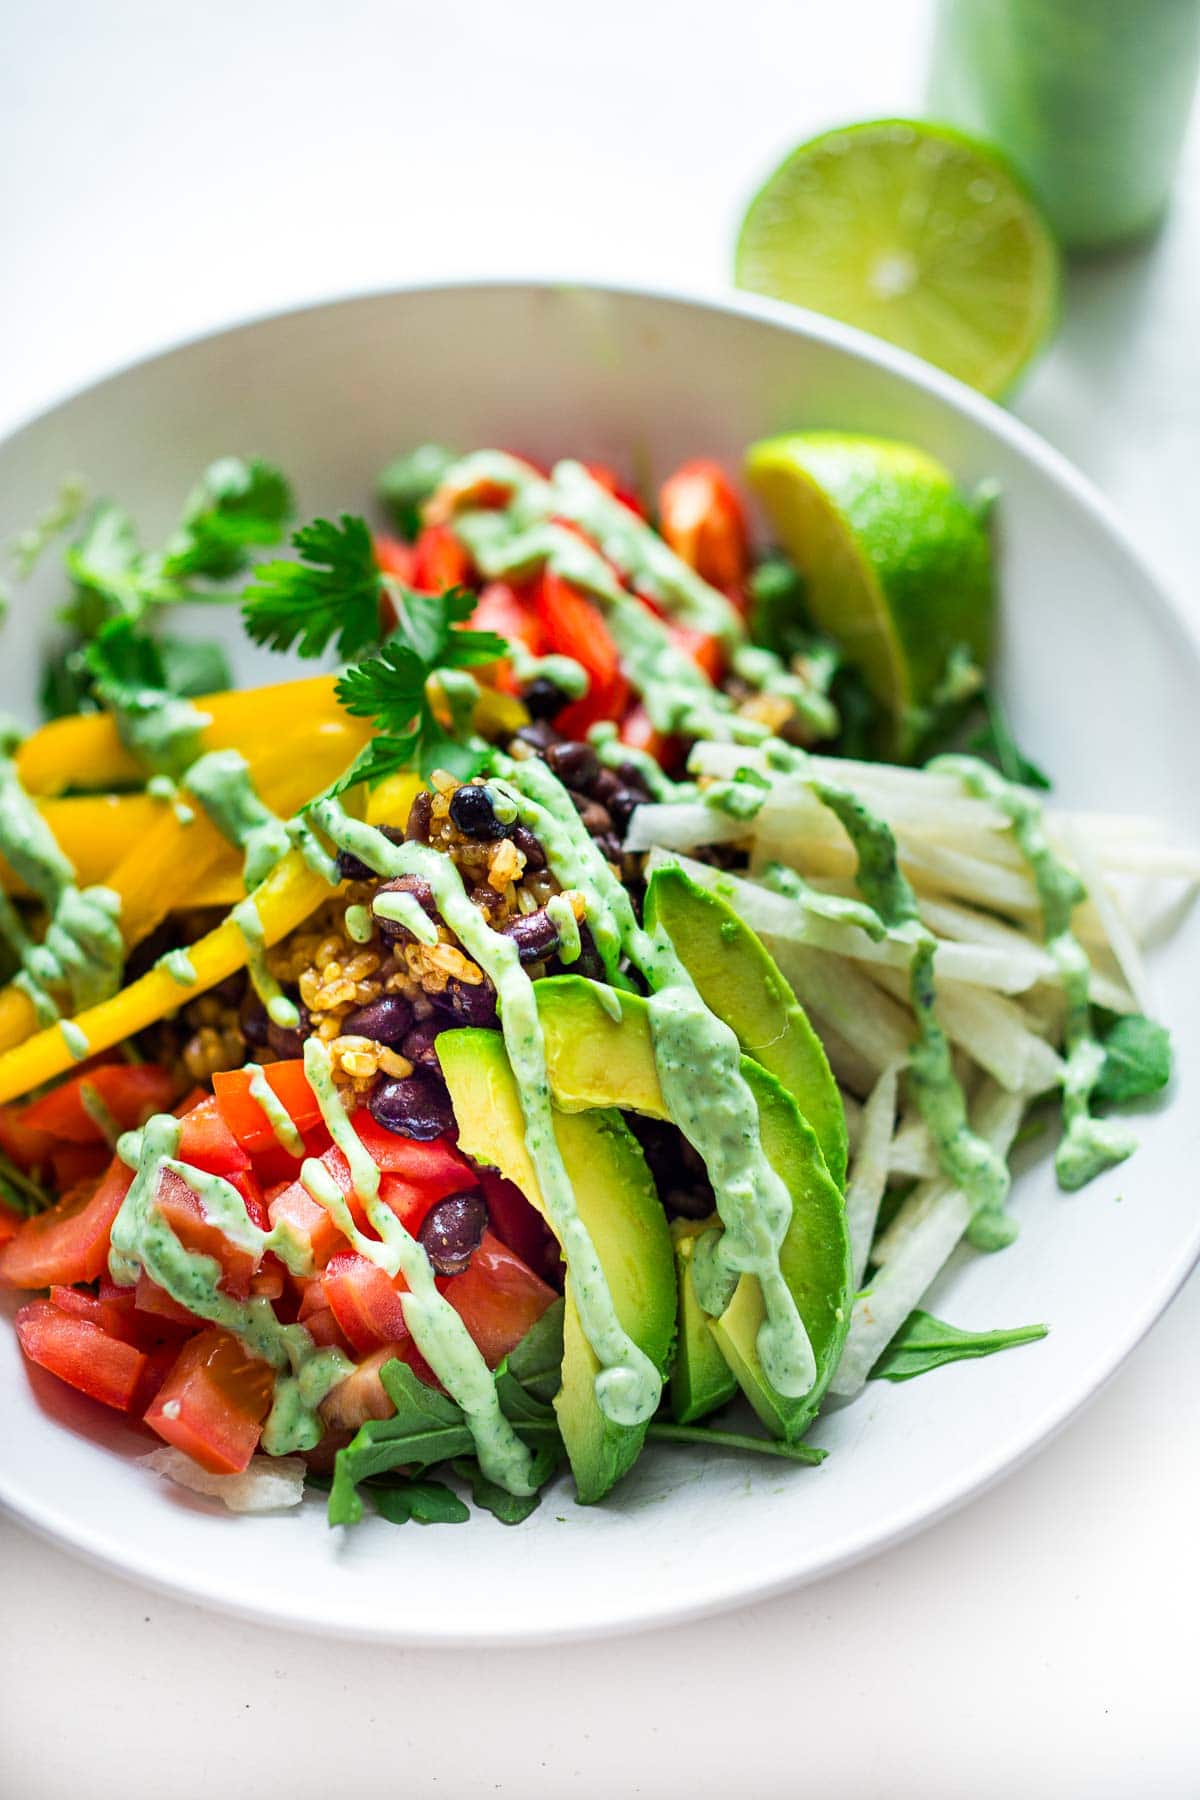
(912, 232)
(896, 562)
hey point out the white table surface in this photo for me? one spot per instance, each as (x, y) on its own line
(168, 169)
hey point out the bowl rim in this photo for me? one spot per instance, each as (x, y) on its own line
(1039, 1427)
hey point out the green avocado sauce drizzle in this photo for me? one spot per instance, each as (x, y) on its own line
(628, 1387)
(1088, 1146)
(222, 783)
(80, 959)
(698, 1059)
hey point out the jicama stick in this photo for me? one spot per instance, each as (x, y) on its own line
(911, 1153)
(937, 1217)
(1108, 908)
(990, 1028)
(868, 1176)
(85, 751)
(876, 1030)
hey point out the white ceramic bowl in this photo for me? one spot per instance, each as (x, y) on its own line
(1101, 677)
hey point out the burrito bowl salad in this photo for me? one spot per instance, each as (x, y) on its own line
(584, 1020)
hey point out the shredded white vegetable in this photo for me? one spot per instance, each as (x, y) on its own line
(266, 1484)
(868, 1176)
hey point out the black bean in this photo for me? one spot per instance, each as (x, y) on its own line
(633, 778)
(470, 1003)
(609, 846)
(596, 818)
(453, 1231)
(413, 1106)
(288, 1041)
(539, 734)
(417, 829)
(527, 844)
(485, 897)
(420, 1046)
(622, 806)
(575, 764)
(589, 962)
(687, 1203)
(472, 809)
(252, 1019)
(390, 930)
(385, 1021)
(543, 699)
(352, 868)
(535, 934)
(606, 784)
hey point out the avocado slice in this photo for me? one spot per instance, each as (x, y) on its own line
(617, 1200)
(701, 1379)
(599, 1053)
(738, 980)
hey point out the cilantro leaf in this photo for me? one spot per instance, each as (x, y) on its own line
(194, 666)
(236, 504)
(389, 687)
(408, 481)
(333, 595)
(924, 1343)
(1137, 1058)
(425, 1502)
(995, 744)
(128, 673)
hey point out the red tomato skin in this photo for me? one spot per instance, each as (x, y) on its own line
(701, 517)
(705, 650)
(435, 1167)
(213, 1402)
(637, 731)
(115, 1316)
(68, 1243)
(509, 611)
(246, 1118)
(394, 556)
(365, 1301)
(10, 1224)
(157, 1306)
(73, 1163)
(27, 1148)
(519, 1224)
(610, 481)
(130, 1091)
(439, 561)
(497, 1298)
(183, 1212)
(206, 1142)
(80, 1353)
(574, 626)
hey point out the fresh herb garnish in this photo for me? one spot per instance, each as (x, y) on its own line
(1137, 1058)
(391, 688)
(127, 669)
(407, 483)
(924, 1343)
(333, 596)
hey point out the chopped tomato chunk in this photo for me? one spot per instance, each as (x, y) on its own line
(128, 1092)
(27, 1148)
(701, 518)
(81, 1353)
(213, 1402)
(246, 1118)
(365, 1301)
(69, 1242)
(206, 1142)
(10, 1223)
(497, 1298)
(518, 1224)
(184, 1213)
(574, 626)
(610, 481)
(637, 731)
(149, 1298)
(112, 1315)
(705, 650)
(394, 556)
(72, 1163)
(439, 561)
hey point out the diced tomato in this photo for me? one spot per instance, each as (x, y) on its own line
(196, 1098)
(497, 1298)
(129, 1092)
(518, 1224)
(435, 1167)
(309, 1220)
(28, 1149)
(439, 561)
(610, 481)
(182, 1210)
(323, 1328)
(155, 1302)
(206, 1142)
(80, 1353)
(160, 1360)
(511, 612)
(574, 626)
(73, 1163)
(113, 1315)
(69, 1242)
(270, 1279)
(365, 1301)
(394, 557)
(701, 518)
(213, 1402)
(361, 1395)
(705, 650)
(246, 1118)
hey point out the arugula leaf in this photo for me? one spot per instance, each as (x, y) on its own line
(1137, 1058)
(425, 1502)
(536, 1362)
(995, 744)
(333, 595)
(924, 1343)
(20, 1191)
(408, 481)
(510, 1509)
(660, 1431)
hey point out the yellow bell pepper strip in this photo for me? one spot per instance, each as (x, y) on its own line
(163, 870)
(84, 751)
(284, 900)
(93, 831)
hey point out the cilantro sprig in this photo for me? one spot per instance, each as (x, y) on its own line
(333, 595)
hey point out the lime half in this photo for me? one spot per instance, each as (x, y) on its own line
(896, 562)
(915, 233)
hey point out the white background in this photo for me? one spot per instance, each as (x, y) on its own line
(166, 169)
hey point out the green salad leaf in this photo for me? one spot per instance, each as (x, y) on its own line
(408, 481)
(332, 596)
(924, 1343)
(536, 1362)
(994, 743)
(424, 1502)
(1137, 1058)
(510, 1509)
